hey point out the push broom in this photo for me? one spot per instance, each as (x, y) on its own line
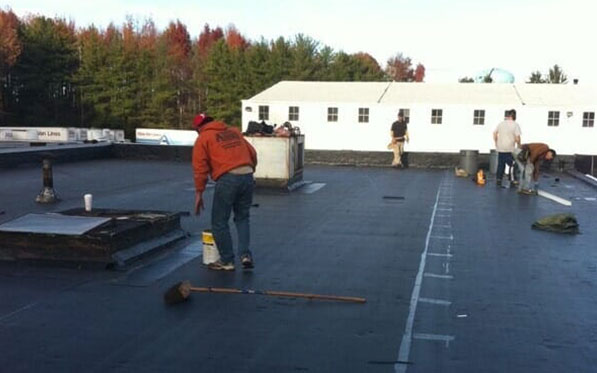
(181, 291)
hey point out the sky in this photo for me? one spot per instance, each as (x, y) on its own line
(451, 38)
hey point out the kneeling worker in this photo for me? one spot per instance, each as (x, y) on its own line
(223, 153)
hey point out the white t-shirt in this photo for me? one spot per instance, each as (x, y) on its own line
(506, 136)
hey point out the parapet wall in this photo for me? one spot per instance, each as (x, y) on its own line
(175, 153)
(410, 159)
(29, 156)
(68, 153)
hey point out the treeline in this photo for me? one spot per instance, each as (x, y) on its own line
(54, 74)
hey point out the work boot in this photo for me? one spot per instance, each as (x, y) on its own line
(528, 192)
(221, 266)
(247, 261)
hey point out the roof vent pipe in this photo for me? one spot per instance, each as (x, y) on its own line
(47, 194)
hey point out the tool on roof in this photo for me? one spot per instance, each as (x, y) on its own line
(554, 198)
(182, 290)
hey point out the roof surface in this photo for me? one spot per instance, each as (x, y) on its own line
(455, 279)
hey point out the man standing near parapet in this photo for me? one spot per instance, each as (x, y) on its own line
(223, 153)
(506, 137)
(398, 134)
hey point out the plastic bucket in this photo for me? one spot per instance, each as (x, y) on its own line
(210, 250)
(469, 161)
(493, 161)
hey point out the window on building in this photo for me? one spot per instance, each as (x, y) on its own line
(588, 119)
(263, 112)
(332, 114)
(479, 117)
(436, 116)
(406, 113)
(363, 115)
(553, 118)
(293, 113)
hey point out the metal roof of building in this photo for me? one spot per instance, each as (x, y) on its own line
(449, 93)
(323, 92)
(558, 94)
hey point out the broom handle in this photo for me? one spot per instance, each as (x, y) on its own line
(278, 294)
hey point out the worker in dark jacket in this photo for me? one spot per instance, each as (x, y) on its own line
(528, 158)
(398, 134)
(223, 153)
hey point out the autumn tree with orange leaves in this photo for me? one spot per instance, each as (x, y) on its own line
(399, 69)
(135, 75)
(419, 73)
(202, 48)
(10, 49)
(176, 42)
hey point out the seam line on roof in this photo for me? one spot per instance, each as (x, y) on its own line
(384, 92)
(518, 94)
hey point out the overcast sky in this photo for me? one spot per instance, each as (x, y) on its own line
(452, 38)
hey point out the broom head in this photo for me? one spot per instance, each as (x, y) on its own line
(178, 293)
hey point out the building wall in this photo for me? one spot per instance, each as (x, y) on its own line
(569, 137)
(456, 132)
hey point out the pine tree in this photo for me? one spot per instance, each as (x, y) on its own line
(280, 60)
(536, 77)
(556, 75)
(44, 72)
(201, 50)
(223, 100)
(257, 75)
(304, 53)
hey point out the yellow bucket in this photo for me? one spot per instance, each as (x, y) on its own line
(210, 250)
(208, 237)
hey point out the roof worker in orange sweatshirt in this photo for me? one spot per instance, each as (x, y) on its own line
(223, 153)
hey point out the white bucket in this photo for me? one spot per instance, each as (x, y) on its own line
(210, 250)
(88, 199)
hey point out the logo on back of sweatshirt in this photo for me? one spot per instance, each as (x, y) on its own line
(228, 138)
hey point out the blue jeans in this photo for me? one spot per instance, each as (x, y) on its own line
(232, 193)
(503, 160)
(525, 172)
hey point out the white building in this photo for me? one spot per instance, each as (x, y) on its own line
(442, 117)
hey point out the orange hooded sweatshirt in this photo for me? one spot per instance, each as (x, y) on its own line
(219, 149)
